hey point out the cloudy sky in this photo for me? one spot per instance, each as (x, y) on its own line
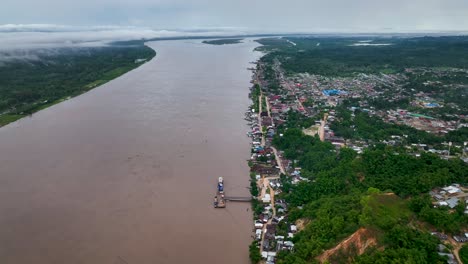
(254, 15)
(41, 24)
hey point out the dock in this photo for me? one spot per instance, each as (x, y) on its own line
(237, 199)
(220, 199)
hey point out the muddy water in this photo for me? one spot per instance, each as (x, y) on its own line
(127, 172)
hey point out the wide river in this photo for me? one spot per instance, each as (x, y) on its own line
(126, 173)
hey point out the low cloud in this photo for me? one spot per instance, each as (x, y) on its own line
(25, 40)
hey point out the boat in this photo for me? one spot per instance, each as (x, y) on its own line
(219, 201)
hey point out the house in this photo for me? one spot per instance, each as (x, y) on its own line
(440, 235)
(293, 228)
(442, 203)
(279, 238)
(266, 244)
(266, 198)
(450, 258)
(258, 234)
(266, 121)
(269, 256)
(264, 169)
(258, 224)
(270, 231)
(452, 202)
(452, 189)
(460, 239)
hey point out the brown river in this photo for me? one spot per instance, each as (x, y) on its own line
(126, 173)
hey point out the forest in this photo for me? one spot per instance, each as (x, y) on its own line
(347, 56)
(27, 86)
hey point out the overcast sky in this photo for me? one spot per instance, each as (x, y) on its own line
(27, 25)
(247, 15)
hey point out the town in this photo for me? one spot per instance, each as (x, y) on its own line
(331, 101)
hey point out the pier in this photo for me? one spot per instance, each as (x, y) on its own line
(237, 199)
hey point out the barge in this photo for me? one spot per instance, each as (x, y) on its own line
(219, 200)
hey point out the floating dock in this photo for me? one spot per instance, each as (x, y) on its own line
(219, 201)
(238, 199)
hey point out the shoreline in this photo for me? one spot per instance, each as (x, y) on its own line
(262, 176)
(273, 232)
(8, 118)
(124, 151)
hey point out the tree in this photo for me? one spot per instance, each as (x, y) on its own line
(254, 252)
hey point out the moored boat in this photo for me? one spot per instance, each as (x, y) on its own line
(219, 201)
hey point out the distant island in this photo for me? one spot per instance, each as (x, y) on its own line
(223, 41)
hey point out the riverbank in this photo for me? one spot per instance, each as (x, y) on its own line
(61, 75)
(266, 168)
(134, 161)
(350, 197)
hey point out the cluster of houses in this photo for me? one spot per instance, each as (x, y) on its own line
(418, 121)
(449, 196)
(271, 222)
(311, 94)
(268, 234)
(425, 101)
(314, 94)
(443, 251)
(327, 92)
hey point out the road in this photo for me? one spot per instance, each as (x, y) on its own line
(266, 184)
(260, 118)
(268, 110)
(278, 160)
(321, 130)
(265, 181)
(456, 248)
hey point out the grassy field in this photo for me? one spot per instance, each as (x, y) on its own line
(8, 118)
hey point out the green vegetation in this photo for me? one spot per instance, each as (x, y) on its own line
(8, 118)
(404, 244)
(361, 126)
(253, 185)
(383, 210)
(343, 194)
(338, 57)
(29, 86)
(441, 218)
(273, 44)
(445, 85)
(333, 219)
(381, 195)
(254, 96)
(464, 254)
(254, 253)
(223, 41)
